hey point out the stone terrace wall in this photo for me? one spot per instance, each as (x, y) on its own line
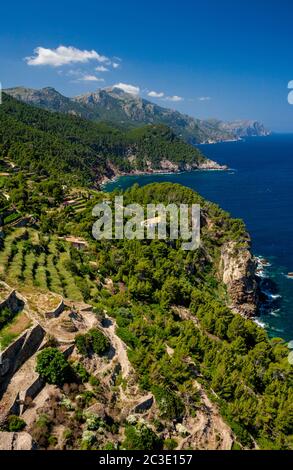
(57, 311)
(20, 350)
(11, 301)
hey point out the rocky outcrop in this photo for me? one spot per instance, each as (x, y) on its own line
(237, 271)
(16, 441)
(166, 167)
(211, 165)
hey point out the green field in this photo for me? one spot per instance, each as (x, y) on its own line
(25, 261)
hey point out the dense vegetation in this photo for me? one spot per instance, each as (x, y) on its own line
(141, 437)
(68, 147)
(248, 374)
(170, 309)
(53, 367)
(93, 342)
(169, 305)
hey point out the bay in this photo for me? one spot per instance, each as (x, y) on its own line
(259, 189)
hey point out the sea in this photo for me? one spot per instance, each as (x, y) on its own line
(257, 187)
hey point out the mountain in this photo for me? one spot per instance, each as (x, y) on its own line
(127, 111)
(67, 146)
(47, 98)
(242, 128)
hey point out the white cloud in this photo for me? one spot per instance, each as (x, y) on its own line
(101, 68)
(131, 89)
(71, 72)
(290, 84)
(204, 98)
(174, 98)
(63, 55)
(156, 94)
(90, 78)
(116, 65)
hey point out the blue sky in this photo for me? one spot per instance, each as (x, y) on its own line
(207, 58)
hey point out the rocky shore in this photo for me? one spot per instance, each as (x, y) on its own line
(167, 167)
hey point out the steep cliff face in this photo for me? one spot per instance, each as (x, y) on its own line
(237, 271)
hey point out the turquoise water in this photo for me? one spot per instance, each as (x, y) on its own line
(259, 189)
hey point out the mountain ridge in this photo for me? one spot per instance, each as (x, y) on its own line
(128, 111)
(72, 147)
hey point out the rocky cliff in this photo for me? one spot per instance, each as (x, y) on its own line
(237, 271)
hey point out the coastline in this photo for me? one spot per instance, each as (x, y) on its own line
(270, 298)
(238, 139)
(209, 165)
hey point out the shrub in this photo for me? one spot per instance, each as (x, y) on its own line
(81, 372)
(53, 367)
(170, 444)
(92, 342)
(53, 441)
(93, 381)
(15, 423)
(81, 344)
(100, 343)
(109, 446)
(169, 404)
(93, 422)
(88, 439)
(141, 437)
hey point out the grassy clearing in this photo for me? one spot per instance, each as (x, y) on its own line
(10, 332)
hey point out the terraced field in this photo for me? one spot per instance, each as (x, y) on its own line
(26, 260)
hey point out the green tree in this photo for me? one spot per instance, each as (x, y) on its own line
(141, 437)
(53, 367)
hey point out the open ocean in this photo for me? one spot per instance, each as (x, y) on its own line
(259, 189)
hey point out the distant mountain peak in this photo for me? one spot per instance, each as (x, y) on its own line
(115, 105)
(50, 89)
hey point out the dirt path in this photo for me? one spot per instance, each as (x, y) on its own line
(208, 429)
(109, 328)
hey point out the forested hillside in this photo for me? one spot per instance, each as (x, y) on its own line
(185, 347)
(128, 111)
(71, 147)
